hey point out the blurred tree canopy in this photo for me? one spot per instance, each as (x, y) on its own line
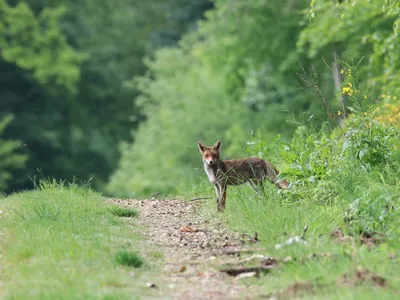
(128, 87)
(64, 72)
(250, 66)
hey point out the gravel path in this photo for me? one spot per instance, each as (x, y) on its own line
(194, 250)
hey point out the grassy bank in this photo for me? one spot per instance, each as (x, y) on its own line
(324, 261)
(64, 242)
(346, 189)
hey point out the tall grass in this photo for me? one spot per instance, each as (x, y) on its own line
(344, 178)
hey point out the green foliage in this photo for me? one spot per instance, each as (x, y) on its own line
(64, 72)
(37, 44)
(357, 30)
(355, 166)
(344, 187)
(165, 147)
(198, 92)
(10, 155)
(256, 71)
(128, 258)
(374, 212)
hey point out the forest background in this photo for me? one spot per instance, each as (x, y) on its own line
(119, 92)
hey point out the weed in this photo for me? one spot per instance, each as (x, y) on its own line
(123, 212)
(128, 258)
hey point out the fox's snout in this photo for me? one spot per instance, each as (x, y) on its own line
(209, 161)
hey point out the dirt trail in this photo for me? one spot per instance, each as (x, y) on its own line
(192, 250)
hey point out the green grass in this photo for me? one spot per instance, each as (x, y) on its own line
(276, 220)
(123, 212)
(128, 258)
(59, 242)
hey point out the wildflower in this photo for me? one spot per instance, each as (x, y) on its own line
(364, 114)
(341, 71)
(348, 90)
(365, 97)
(339, 113)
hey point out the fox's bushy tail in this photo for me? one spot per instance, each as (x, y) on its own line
(273, 173)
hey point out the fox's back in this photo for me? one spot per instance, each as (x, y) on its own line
(240, 170)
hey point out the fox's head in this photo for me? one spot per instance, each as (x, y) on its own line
(210, 154)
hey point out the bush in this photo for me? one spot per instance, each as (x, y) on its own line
(354, 166)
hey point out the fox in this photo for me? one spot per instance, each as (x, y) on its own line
(251, 170)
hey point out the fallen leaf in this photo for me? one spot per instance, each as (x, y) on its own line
(188, 229)
(182, 269)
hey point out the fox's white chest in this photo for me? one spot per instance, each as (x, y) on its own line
(210, 173)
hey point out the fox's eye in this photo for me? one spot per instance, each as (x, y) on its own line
(207, 156)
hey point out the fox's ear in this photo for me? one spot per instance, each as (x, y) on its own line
(202, 147)
(217, 145)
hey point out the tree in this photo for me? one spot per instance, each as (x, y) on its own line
(65, 68)
(10, 155)
(362, 32)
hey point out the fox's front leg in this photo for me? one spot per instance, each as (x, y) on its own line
(222, 196)
(217, 192)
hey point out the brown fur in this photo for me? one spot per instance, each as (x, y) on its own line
(221, 173)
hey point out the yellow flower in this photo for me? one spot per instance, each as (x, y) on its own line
(364, 113)
(365, 97)
(348, 90)
(341, 71)
(339, 113)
